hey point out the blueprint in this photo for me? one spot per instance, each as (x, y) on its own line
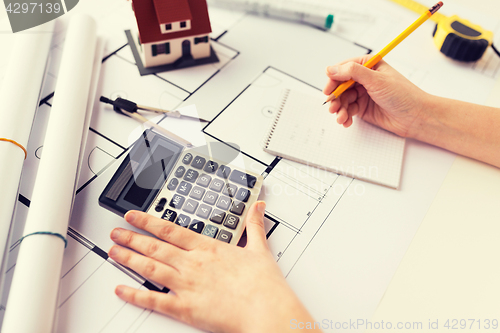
(337, 240)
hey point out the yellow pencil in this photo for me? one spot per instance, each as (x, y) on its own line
(376, 58)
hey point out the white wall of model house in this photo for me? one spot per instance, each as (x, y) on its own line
(170, 50)
(198, 50)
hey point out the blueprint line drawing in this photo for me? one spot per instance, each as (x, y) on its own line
(321, 227)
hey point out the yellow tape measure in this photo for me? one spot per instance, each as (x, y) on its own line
(455, 37)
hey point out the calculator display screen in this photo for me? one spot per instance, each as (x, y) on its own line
(142, 174)
(155, 171)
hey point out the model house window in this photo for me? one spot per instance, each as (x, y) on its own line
(160, 49)
(168, 26)
(198, 40)
(183, 24)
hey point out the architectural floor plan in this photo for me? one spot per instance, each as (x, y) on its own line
(337, 240)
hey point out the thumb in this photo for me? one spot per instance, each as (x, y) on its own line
(256, 234)
(353, 71)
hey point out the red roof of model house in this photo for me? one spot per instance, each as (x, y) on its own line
(151, 13)
(168, 11)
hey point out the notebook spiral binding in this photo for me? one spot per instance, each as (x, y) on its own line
(286, 92)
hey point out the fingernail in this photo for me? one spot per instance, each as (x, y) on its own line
(130, 217)
(116, 233)
(114, 251)
(119, 290)
(332, 70)
(261, 207)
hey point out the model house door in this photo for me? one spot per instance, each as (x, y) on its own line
(186, 49)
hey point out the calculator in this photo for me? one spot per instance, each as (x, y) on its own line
(196, 188)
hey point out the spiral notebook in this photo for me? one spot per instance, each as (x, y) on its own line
(304, 131)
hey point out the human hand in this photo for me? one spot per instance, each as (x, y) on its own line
(381, 96)
(214, 286)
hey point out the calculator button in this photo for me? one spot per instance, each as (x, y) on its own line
(216, 185)
(177, 201)
(210, 198)
(196, 226)
(217, 216)
(210, 230)
(204, 211)
(204, 180)
(184, 188)
(229, 190)
(211, 167)
(180, 171)
(197, 193)
(187, 158)
(224, 171)
(183, 220)
(242, 195)
(191, 175)
(172, 184)
(169, 215)
(198, 162)
(225, 236)
(237, 208)
(224, 203)
(231, 221)
(243, 178)
(190, 206)
(161, 204)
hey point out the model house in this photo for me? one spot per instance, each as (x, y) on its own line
(172, 32)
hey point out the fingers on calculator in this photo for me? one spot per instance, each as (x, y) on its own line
(184, 186)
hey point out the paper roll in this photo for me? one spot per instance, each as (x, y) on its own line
(32, 300)
(19, 97)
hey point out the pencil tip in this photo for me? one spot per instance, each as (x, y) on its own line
(324, 103)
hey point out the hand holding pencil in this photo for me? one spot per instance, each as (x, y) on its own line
(376, 58)
(382, 96)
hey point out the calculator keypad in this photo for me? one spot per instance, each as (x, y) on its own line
(177, 201)
(210, 230)
(183, 220)
(198, 162)
(169, 215)
(190, 206)
(206, 197)
(204, 211)
(225, 236)
(216, 185)
(242, 195)
(243, 178)
(210, 198)
(204, 180)
(180, 171)
(184, 188)
(191, 175)
(197, 226)
(172, 184)
(187, 158)
(224, 203)
(232, 222)
(197, 193)
(211, 167)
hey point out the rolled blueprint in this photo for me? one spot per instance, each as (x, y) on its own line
(19, 95)
(32, 300)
